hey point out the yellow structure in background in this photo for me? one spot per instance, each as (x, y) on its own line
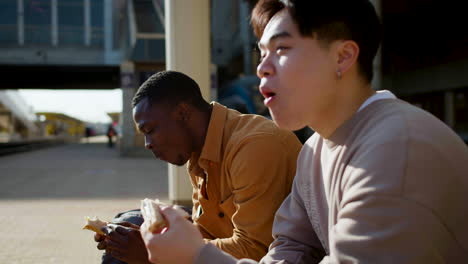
(61, 125)
(115, 117)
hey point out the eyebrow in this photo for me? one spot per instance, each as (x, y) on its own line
(274, 37)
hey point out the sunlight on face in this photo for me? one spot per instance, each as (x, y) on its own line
(296, 74)
(164, 135)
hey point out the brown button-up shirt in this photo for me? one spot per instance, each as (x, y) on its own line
(243, 174)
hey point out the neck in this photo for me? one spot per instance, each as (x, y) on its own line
(350, 95)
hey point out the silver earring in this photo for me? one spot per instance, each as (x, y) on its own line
(338, 74)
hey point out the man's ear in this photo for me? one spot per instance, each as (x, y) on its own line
(183, 111)
(347, 55)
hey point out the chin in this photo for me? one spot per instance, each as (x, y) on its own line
(180, 164)
(177, 163)
(180, 161)
(286, 123)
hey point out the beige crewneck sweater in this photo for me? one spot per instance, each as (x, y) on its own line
(389, 186)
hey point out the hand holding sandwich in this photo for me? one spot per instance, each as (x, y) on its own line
(179, 241)
(122, 240)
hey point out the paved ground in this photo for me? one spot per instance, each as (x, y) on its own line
(45, 194)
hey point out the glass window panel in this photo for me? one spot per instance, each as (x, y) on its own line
(71, 22)
(97, 23)
(37, 20)
(8, 12)
(97, 13)
(8, 22)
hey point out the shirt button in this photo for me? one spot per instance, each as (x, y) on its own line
(221, 214)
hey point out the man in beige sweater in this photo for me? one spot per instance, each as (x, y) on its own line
(380, 182)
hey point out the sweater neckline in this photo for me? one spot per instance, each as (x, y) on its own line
(339, 136)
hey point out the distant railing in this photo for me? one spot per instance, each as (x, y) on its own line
(17, 147)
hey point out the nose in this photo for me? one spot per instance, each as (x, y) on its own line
(265, 68)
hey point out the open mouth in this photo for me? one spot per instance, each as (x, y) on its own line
(269, 94)
(269, 97)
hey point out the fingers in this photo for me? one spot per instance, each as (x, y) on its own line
(101, 241)
(113, 245)
(116, 234)
(122, 230)
(179, 244)
(106, 229)
(115, 251)
(120, 237)
(116, 254)
(102, 245)
(98, 237)
(119, 250)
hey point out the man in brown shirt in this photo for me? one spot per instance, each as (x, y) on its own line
(244, 171)
(241, 166)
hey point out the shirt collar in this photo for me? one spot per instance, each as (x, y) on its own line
(379, 95)
(211, 150)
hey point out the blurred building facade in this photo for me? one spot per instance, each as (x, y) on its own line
(17, 119)
(60, 126)
(106, 44)
(425, 57)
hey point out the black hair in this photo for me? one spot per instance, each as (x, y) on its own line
(329, 20)
(170, 87)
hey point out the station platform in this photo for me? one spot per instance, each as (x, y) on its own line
(46, 193)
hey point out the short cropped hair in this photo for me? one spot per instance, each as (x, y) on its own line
(170, 87)
(329, 20)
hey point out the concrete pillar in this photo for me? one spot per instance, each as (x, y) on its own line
(377, 83)
(187, 51)
(129, 87)
(449, 111)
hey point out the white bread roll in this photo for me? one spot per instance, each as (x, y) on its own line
(94, 224)
(151, 212)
